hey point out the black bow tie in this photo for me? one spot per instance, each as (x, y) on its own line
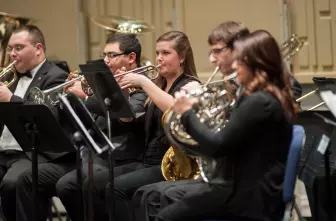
(27, 74)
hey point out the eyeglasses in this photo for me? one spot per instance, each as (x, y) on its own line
(111, 55)
(216, 51)
(17, 48)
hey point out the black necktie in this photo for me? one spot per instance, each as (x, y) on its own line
(27, 74)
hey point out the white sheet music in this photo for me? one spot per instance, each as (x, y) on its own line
(330, 100)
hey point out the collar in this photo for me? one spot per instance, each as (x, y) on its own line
(35, 70)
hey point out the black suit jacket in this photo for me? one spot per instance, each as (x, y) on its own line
(48, 76)
(255, 145)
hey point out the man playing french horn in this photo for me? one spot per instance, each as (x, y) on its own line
(149, 200)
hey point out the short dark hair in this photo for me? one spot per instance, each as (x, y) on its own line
(34, 32)
(127, 43)
(228, 32)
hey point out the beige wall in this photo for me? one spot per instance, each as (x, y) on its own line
(57, 20)
(315, 20)
(195, 17)
(73, 37)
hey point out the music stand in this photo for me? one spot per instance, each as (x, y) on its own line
(36, 129)
(320, 127)
(113, 101)
(87, 134)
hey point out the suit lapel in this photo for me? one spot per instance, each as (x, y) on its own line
(38, 77)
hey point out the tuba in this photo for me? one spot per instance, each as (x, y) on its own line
(121, 24)
(8, 23)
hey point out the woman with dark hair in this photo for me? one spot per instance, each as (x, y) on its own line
(254, 142)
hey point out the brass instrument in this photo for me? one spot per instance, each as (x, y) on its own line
(121, 24)
(215, 101)
(291, 46)
(144, 69)
(176, 165)
(212, 109)
(50, 96)
(9, 71)
(8, 23)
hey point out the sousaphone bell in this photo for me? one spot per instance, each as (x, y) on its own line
(121, 24)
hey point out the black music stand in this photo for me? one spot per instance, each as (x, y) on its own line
(316, 152)
(113, 101)
(321, 132)
(36, 129)
(88, 135)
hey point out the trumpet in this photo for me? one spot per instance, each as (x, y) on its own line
(6, 71)
(50, 96)
(143, 69)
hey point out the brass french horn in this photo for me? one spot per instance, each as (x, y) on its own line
(215, 101)
(212, 110)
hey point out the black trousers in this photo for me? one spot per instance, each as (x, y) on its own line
(12, 165)
(128, 178)
(48, 175)
(126, 185)
(194, 202)
(149, 200)
(71, 194)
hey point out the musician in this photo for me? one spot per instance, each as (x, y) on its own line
(121, 51)
(147, 198)
(26, 46)
(255, 140)
(174, 53)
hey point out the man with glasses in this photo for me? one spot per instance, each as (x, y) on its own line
(121, 52)
(27, 47)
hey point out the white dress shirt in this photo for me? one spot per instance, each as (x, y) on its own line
(7, 141)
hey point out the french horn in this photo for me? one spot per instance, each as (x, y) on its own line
(215, 103)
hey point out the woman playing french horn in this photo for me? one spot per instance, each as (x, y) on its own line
(255, 140)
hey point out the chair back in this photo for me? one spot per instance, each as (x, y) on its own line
(293, 161)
